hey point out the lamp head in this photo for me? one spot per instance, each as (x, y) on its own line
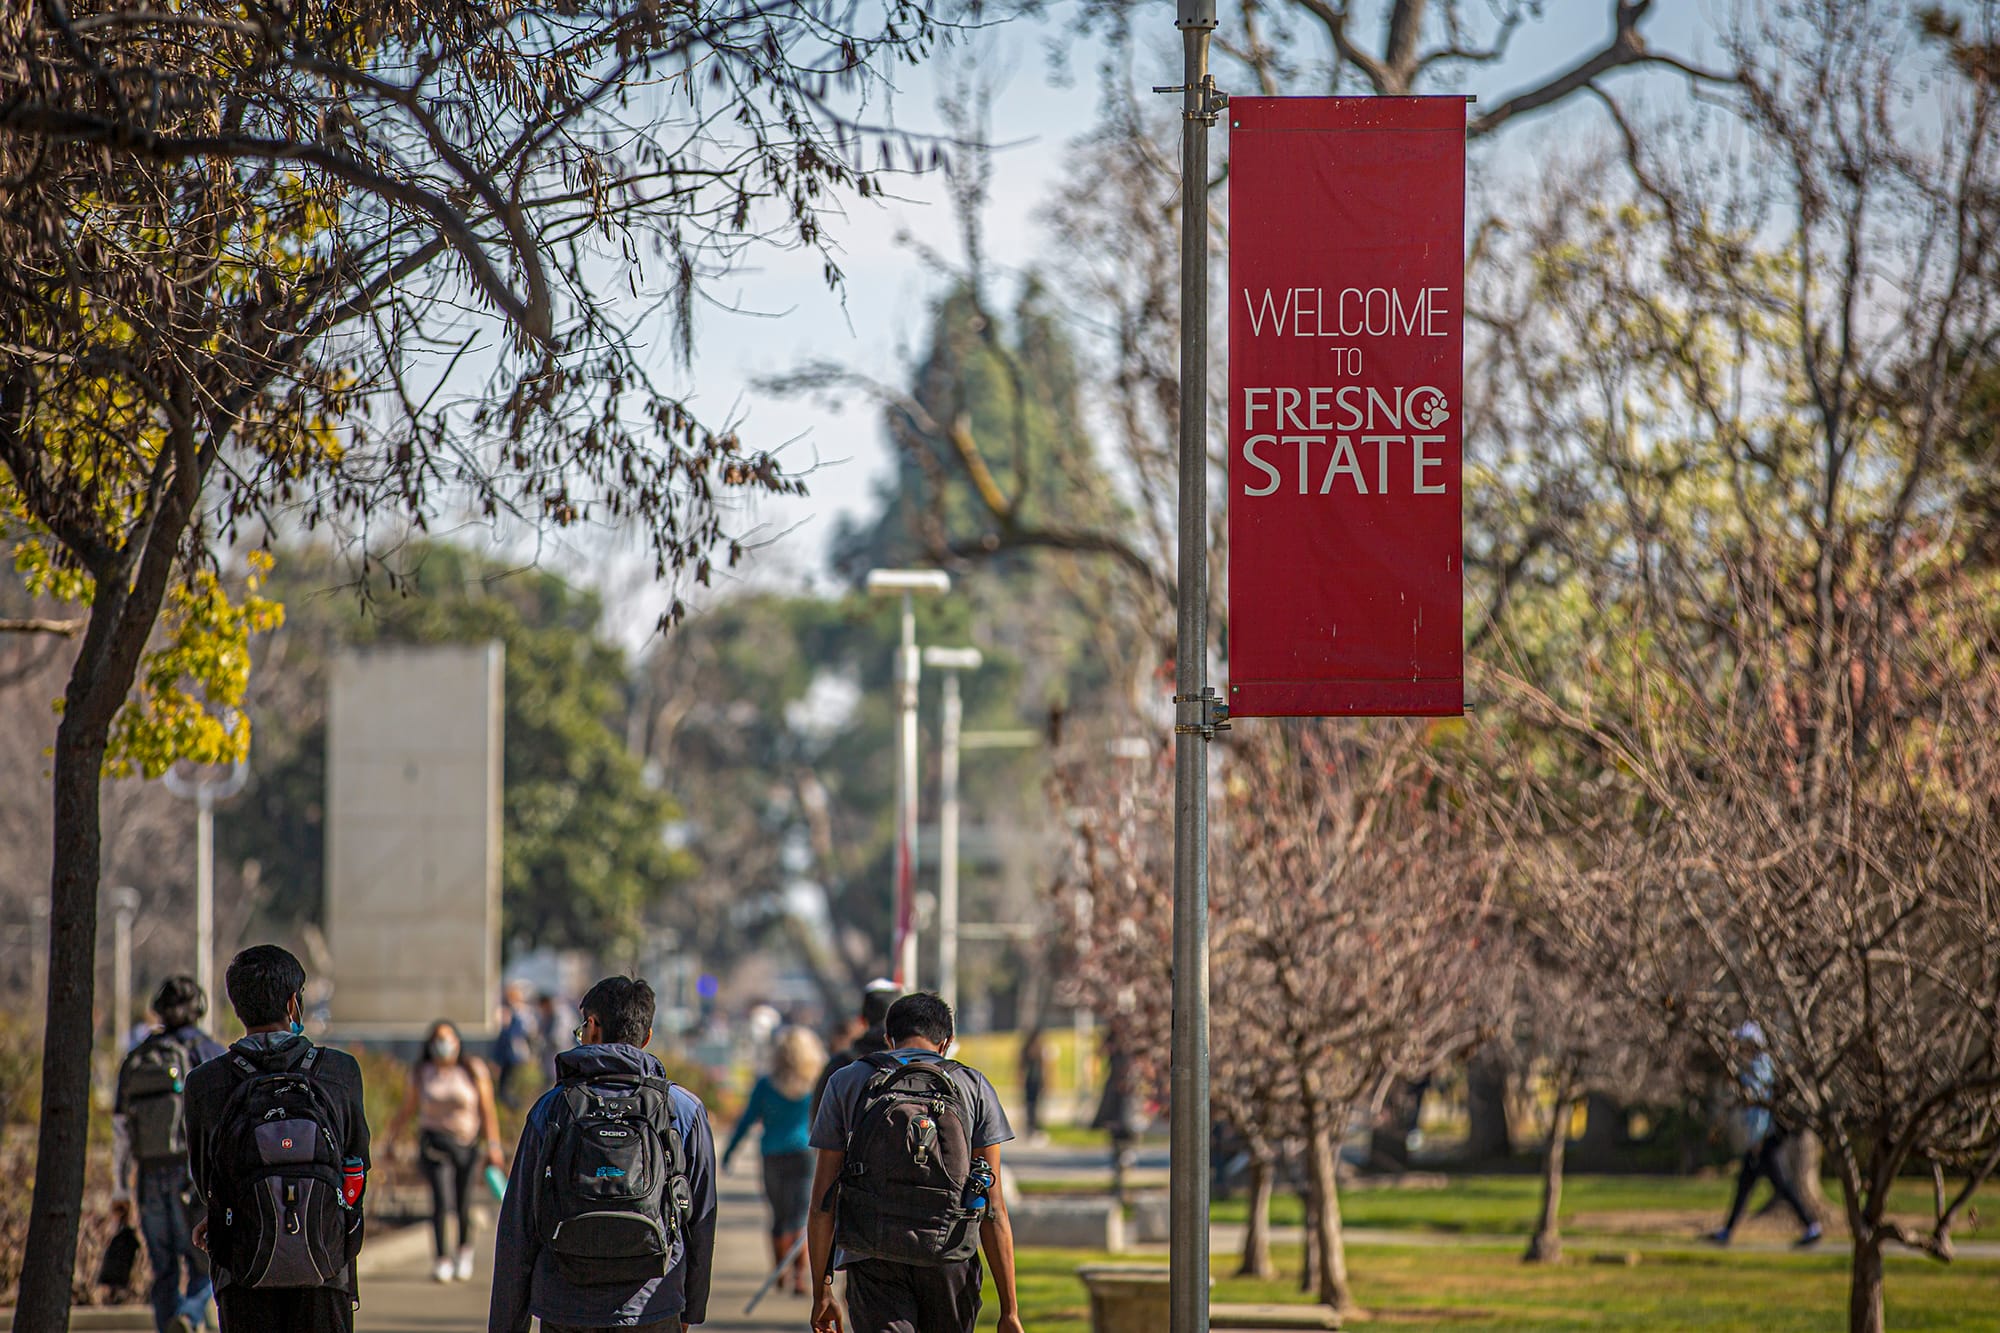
(893, 582)
(952, 659)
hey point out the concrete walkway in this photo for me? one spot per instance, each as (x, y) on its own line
(398, 1296)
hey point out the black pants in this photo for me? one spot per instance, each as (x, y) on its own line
(293, 1309)
(1766, 1160)
(901, 1298)
(450, 1168)
(664, 1326)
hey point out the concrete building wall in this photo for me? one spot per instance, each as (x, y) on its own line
(413, 837)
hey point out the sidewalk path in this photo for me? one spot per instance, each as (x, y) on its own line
(399, 1296)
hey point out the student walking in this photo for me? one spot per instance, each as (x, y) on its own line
(1034, 1079)
(779, 1101)
(450, 1096)
(1764, 1141)
(909, 1167)
(609, 1219)
(278, 1147)
(149, 1149)
(866, 1034)
(514, 1044)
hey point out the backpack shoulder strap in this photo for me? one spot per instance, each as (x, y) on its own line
(312, 1058)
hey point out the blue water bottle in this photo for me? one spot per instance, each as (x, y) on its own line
(978, 1180)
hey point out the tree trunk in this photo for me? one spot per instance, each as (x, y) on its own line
(125, 604)
(1803, 1154)
(1323, 1158)
(1545, 1247)
(1389, 1139)
(1309, 1264)
(1257, 1236)
(1488, 1136)
(1864, 1289)
(50, 1257)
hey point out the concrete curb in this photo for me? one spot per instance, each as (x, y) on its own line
(137, 1315)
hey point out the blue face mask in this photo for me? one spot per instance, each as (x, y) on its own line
(298, 1028)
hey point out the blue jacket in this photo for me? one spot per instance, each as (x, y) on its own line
(525, 1280)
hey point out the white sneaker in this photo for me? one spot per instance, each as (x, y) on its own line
(464, 1270)
(441, 1271)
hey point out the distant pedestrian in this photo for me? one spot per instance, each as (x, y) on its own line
(278, 1145)
(450, 1096)
(149, 1148)
(1118, 1113)
(875, 1002)
(909, 1165)
(514, 1044)
(1034, 1073)
(1763, 1137)
(552, 1026)
(609, 1218)
(780, 1101)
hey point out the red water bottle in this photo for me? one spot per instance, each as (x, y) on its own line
(353, 1181)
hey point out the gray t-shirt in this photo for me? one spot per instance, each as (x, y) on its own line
(835, 1120)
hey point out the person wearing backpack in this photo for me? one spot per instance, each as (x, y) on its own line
(149, 1149)
(907, 1185)
(609, 1215)
(278, 1146)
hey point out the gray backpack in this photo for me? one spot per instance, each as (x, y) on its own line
(276, 1214)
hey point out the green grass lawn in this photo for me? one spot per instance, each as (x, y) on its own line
(1491, 1291)
(1507, 1205)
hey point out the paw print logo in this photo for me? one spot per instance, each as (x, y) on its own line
(1428, 408)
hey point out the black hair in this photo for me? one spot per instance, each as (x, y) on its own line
(875, 1004)
(179, 1003)
(262, 981)
(438, 1029)
(920, 1015)
(623, 1008)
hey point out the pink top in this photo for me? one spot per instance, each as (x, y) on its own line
(448, 1101)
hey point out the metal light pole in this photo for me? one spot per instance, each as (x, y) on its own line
(1198, 713)
(205, 793)
(124, 906)
(907, 583)
(951, 661)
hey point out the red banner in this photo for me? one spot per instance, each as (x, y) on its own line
(1346, 336)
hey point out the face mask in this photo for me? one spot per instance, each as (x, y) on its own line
(298, 1028)
(444, 1050)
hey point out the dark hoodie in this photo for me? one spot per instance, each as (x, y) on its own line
(525, 1280)
(210, 1083)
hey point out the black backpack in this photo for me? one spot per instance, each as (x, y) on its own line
(275, 1211)
(614, 1195)
(902, 1192)
(152, 1082)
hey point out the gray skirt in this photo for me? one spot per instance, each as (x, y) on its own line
(788, 1182)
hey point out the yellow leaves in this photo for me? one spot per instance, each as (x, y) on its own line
(42, 576)
(184, 704)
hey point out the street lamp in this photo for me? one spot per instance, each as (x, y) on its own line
(906, 583)
(951, 661)
(205, 792)
(124, 906)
